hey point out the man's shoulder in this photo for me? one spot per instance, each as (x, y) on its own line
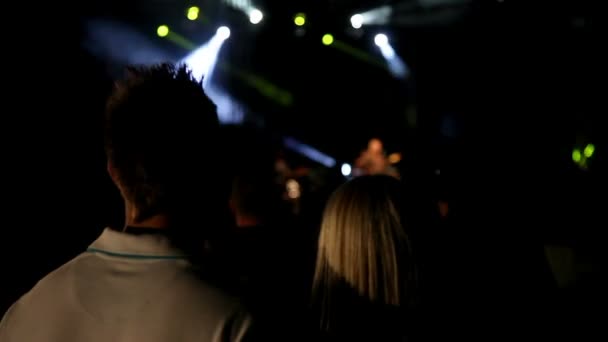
(43, 294)
(188, 285)
(198, 298)
(50, 282)
(201, 305)
(194, 286)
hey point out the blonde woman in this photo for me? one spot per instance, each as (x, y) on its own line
(366, 275)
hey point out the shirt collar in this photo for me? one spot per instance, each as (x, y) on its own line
(145, 246)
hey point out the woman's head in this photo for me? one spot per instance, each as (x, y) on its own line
(364, 242)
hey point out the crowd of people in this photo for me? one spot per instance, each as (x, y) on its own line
(209, 251)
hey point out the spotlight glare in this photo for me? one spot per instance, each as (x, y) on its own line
(589, 150)
(576, 155)
(346, 170)
(162, 30)
(381, 39)
(299, 19)
(255, 16)
(356, 21)
(223, 32)
(327, 39)
(192, 13)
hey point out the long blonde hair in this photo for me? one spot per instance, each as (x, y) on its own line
(364, 242)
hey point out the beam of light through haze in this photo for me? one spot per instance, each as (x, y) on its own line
(121, 45)
(202, 63)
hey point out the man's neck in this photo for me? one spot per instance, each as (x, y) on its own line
(155, 222)
(160, 221)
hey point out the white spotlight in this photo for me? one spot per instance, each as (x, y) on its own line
(346, 169)
(255, 16)
(356, 21)
(223, 32)
(381, 40)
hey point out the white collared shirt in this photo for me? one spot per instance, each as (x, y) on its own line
(125, 288)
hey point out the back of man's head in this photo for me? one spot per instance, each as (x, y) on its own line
(254, 199)
(162, 140)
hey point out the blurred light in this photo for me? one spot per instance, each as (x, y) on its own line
(223, 32)
(299, 19)
(396, 66)
(136, 48)
(375, 145)
(382, 15)
(202, 63)
(381, 40)
(202, 60)
(327, 39)
(162, 30)
(229, 110)
(346, 170)
(394, 158)
(255, 16)
(293, 189)
(356, 21)
(310, 152)
(239, 4)
(192, 13)
(589, 150)
(576, 155)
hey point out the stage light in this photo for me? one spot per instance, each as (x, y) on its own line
(223, 32)
(192, 13)
(346, 170)
(327, 39)
(576, 155)
(162, 30)
(299, 19)
(394, 158)
(381, 40)
(589, 150)
(395, 65)
(356, 21)
(255, 16)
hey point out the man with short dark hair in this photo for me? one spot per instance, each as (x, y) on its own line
(135, 284)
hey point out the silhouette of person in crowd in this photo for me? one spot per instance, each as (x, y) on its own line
(135, 283)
